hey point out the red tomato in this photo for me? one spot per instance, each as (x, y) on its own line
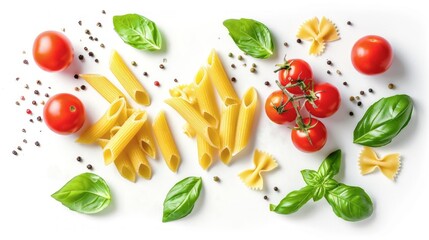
(52, 51)
(327, 102)
(372, 55)
(64, 113)
(278, 109)
(316, 131)
(294, 71)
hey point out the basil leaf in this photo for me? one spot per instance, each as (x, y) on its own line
(293, 201)
(138, 31)
(330, 184)
(251, 36)
(311, 177)
(86, 193)
(181, 198)
(331, 165)
(319, 193)
(350, 203)
(383, 121)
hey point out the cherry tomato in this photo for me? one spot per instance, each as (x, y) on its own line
(64, 113)
(316, 131)
(372, 55)
(294, 71)
(52, 51)
(327, 102)
(278, 109)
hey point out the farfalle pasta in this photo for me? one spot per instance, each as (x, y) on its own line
(389, 165)
(319, 33)
(263, 162)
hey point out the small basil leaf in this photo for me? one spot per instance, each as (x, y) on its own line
(311, 177)
(251, 36)
(138, 31)
(85, 193)
(383, 121)
(293, 201)
(330, 184)
(331, 165)
(319, 193)
(181, 198)
(350, 203)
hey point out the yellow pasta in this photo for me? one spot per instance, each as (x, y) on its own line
(166, 142)
(220, 80)
(253, 177)
(189, 130)
(185, 91)
(227, 129)
(146, 140)
(196, 120)
(245, 120)
(104, 124)
(121, 139)
(103, 86)
(389, 165)
(138, 159)
(206, 99)
(125, 167)
(205, 153)
(128, 80)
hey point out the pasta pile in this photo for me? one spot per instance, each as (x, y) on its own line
(226, 131)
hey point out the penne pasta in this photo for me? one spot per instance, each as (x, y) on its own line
(245, 120)
(194, 118)
(127, 79)
(220, 80)
(166, 142)
(206, 99)
(138, 159)
(124, 135)
(104, 124)
(205, 153)
(227, 130)
(189, 130)
(146, 140)
(185, 91)
(103, 86)
(125, 168)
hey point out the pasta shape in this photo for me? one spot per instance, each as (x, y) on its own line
(104, 124)
(389, 165)
(205, 153)
(138, 159)
(166, 142)
(186, 92)
(103, 86)
(318, 33)
(227, 129)
(263, 163)
(220, 80)
(245, 120)
(125, 134)
(127, 79)
(146, 140)
(194, 118)
(189, 130)
(206, 98)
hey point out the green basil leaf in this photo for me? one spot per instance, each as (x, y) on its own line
(251, 36)
(330, 184)
(311, 177)
(319, 193)
(181, 198)
(293, 201)
(331, 165)
(138, 31)
(350, 203)
(383, 121)
(86, 193)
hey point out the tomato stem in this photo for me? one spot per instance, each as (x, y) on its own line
(72, 108)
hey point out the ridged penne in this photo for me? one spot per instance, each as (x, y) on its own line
(220, 80)
(146, 140)
(127, 79)
(245, 120)
(104, 124)
(205, 153)
(125, 167)
(227, 130)
(206, 99)
(103, 86)
(138, 159)
(189, 130)
(166, 142)
(196, 120)
(124, 135)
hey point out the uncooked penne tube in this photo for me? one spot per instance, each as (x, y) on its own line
(227, 130)
(103, 86)
(206, 99)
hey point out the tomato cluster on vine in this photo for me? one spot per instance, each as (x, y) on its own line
(299, 90)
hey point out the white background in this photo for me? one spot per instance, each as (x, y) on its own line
(228, 208)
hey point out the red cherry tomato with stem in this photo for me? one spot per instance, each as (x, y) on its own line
(327, 100)
(279, 109)
(372, 55)
(295, 71)
(52, 51)
(311, 136)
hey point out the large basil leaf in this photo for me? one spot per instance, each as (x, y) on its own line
(138, 31)
(180, 200)
(331, 165)
(293, 201)
(86, 193)
(350, 203)
(251, 36)
(383, 121)
(311, 177)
